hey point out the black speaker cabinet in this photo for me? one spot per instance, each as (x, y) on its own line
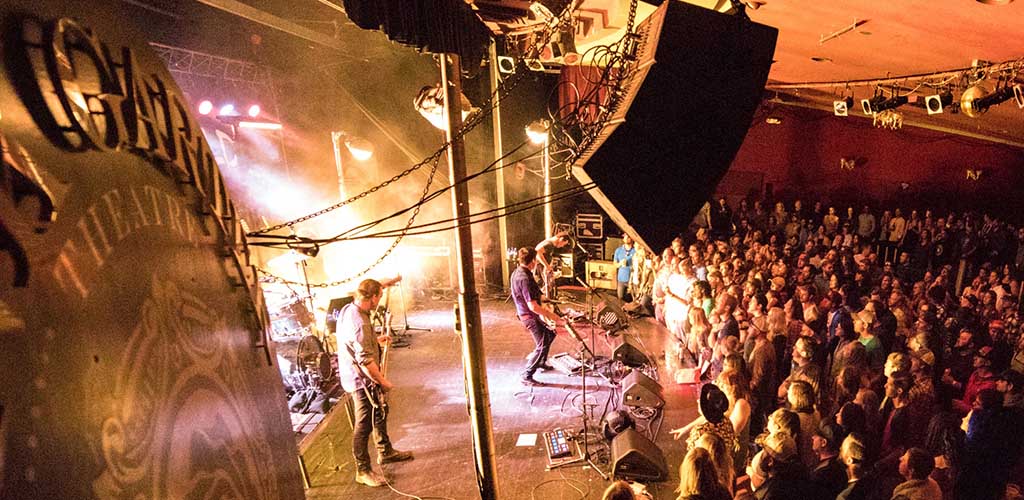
(640, 390)
(634, 457)
(698, 80)
(629, 354)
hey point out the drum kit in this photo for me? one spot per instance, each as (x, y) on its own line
(289, 315)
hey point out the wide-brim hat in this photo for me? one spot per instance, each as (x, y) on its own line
(713, 403)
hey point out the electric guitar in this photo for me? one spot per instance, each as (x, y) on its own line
(546, 275)
(374, 392)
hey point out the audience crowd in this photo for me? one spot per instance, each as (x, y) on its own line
(844, 354)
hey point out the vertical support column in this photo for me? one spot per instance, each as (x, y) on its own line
(547, 186)
(499, 151)
(473, 357)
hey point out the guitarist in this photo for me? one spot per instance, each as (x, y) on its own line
(545, 271)
(526, 296)
(359, 368)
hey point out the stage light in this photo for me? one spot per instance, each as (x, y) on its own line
(842, 108)
(361, 149)
(430, 104)
(935, 103)
(260, 125)
(537, 131)
(1018, 95)
(868, 105)
(254, 111)
(506, 65)
(976, 100)
(205, 107)
(227, 110)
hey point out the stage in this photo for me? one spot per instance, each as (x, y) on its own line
(429, 415)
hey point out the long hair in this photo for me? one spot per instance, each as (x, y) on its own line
(697, 475)
(720, 457)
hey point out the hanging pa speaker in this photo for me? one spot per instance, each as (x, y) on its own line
(639, 390)
(697, 80)
(634, 457)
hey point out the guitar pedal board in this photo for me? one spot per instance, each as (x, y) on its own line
(557, 443)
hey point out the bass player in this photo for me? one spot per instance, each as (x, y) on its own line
(359, 368)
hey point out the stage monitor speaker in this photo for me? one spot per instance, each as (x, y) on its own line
(639, 390)
(629, 354)
(634, 457)
(334, 309)
(698, 79)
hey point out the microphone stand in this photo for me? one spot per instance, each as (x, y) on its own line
(585, 457)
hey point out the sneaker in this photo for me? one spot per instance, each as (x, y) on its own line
(528, 380)
(370, 478)
(394, 456)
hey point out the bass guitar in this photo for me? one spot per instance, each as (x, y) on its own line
(374, 392)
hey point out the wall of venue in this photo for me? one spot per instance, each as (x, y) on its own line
(802, 157)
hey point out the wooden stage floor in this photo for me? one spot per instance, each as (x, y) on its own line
(429, 416)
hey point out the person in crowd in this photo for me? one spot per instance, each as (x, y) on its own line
(698, 479)
(829, 472)
(915, 466)
(853, 455)
(721, 458)
(712, 406)
(800, 397)
(618, 490)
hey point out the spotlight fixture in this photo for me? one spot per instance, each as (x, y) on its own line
(842, 108)
(537, 131)
(870, 106)
(534, 65)
(227, 110)
(976, 100)
(1018, 95)
(506, 65)
(205, 107)
(935, 103)
(254, 111)
(430, 103)
(361, 149)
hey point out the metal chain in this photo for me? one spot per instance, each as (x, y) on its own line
(473, 121)
(412, 219)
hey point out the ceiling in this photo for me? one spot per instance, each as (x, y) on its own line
(878, 39)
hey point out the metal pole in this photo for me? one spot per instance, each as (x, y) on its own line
(499, 151)
(473, 356)
(547, 185)
(335, 138)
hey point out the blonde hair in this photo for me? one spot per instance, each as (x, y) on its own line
(697, 474)
(720, 457)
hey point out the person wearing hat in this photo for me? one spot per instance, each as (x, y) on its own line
(776, 472)
(981, 378)
(1002, 349)
(830, 472)
(1010, 384)
(713, 405)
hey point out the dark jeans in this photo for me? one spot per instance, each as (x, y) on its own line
(542, 337)
(622, 291)
(368, 418)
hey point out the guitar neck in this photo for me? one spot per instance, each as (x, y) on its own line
(386, 347)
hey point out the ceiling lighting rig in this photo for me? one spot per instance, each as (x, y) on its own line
(979, 87)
